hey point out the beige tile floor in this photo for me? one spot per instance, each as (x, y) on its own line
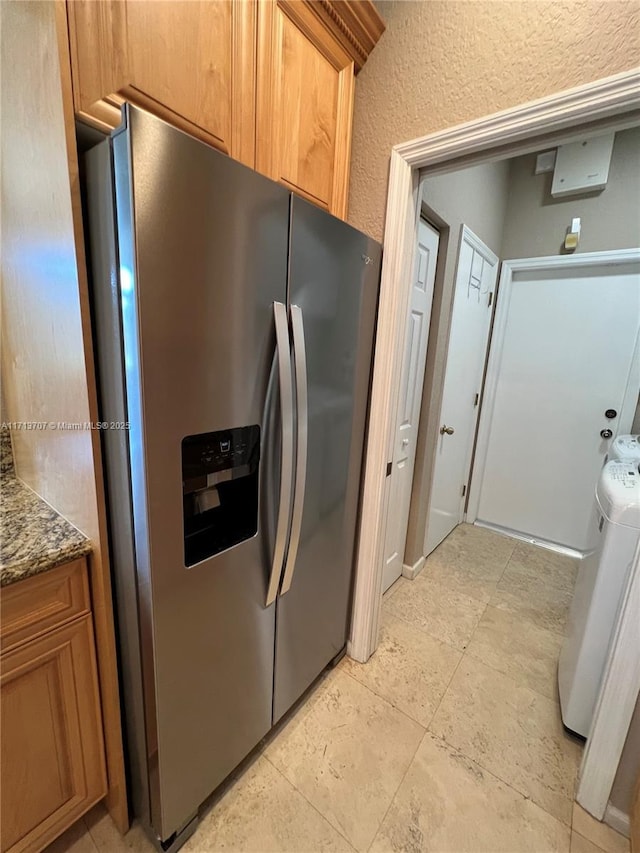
(448, 740)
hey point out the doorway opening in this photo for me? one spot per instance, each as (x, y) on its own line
(555, 367)
(608, 105)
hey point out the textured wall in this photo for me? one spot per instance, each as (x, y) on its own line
(442, 63)
(476, 197)
(536, 223)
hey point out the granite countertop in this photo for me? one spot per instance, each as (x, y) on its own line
(33, 537)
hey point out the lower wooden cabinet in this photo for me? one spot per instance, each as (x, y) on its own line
(51, 747)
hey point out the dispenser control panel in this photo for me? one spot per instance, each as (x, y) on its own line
(220, 476)
(219, 451)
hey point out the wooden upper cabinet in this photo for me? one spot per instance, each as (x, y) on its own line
(192, 63)
(305, 103)
(269, 82)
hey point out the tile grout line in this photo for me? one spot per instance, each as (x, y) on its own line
(316, 810)
(446, 690)
(479, 763)
(384, 699)
(443, 585)
(395, 794)
(427, 633)
(88, 828)
(584, 837)
(424, 733)
(463, 653)
(510, 785)
(504, 569)
(524, 619)
(469, 758)
(475, 628)
(518, 684)
(555, 700)
(393, 707)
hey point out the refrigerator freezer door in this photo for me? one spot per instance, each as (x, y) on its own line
(203, 257)
(334, 280)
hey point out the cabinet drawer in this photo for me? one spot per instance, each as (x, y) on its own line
(35, 605)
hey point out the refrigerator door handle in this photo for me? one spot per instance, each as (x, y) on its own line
(300, 360)
(286, 468)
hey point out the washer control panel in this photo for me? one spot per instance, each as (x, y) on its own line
(624, 473)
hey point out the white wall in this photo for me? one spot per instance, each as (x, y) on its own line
(536, 223)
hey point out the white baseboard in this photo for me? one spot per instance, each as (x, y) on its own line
(410, 572)
(618, 820)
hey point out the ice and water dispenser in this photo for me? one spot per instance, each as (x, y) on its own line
(220, 490)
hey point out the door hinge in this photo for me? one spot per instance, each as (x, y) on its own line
(389, 468)
(476, 399)
(490, 298)
(464, 490)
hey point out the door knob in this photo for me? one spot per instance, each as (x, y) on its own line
(606, 433)
(405, 441)
(446, 430)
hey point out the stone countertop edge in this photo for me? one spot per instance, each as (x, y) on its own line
(33, 536)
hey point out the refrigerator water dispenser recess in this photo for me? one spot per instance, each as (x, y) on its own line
(219, 490)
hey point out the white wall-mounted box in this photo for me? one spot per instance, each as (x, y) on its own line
(582, 166)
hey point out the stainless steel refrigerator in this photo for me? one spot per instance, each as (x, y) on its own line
(234, 327)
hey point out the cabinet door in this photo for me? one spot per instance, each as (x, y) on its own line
(304, 104)
(192, 63)
(52, 758)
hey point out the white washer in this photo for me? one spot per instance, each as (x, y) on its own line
(625, 447)
(601, 579)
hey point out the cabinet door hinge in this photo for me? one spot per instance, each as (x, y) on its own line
(490, 298)
(389, 468)
(476, 400)
(464, 490)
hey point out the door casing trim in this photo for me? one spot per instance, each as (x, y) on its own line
(616, 703)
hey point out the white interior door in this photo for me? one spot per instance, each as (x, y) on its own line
(562, 355)
(466, 356)
(410, 399)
